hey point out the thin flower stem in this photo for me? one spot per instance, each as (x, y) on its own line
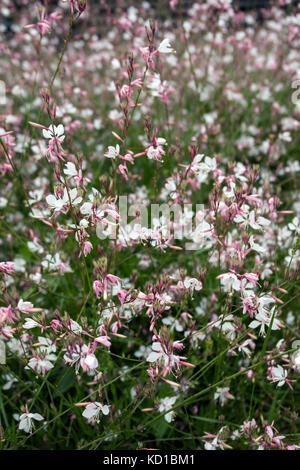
(63, 50)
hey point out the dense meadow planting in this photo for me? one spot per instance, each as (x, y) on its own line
(149, 225)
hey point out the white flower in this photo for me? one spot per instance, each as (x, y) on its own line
(165, 47)
(10, 380)
(153, 153)
(278, 375)
(295, 225)
(170, 186)
(86, 208)
(3, 202)
(74, 198)
(262, 320)
(114, 113)
(230, 281)
(89, 362)
(226, 325)
(229, 192)
(84, 223)
(213, 445)
(157, 352)
(296, 355)
(54, 263)
(154, 83)
(166, 404)
(40, 364)
(58, 203)
(70, 169)
(209, 164)
(54, 131)
(161, 141)
(112, 152)
(75, 327)
(26, 421)
(173, 322)
(222, 394)
(192, 283)
(23, 306)
(255, 246)
(264, 301)
(19, 264)
(46, 345)
(203, 167)
(92, 411)
(249, 219)
(30, 323)
(244, 347)
(285, 136)
(35, 247)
